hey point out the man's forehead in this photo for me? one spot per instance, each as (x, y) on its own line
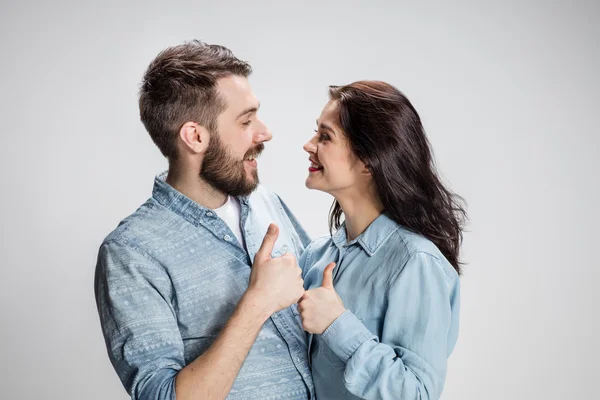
(237, 93)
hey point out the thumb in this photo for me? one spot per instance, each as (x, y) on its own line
(266, 248)
(328, 276)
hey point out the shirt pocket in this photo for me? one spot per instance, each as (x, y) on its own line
(281, 249)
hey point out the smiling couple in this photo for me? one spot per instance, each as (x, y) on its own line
(213, 290)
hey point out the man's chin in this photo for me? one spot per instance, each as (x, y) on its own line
(251, 189)
(250, 185)
(253, 179)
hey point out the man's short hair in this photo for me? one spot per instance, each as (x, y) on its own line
(180, 86)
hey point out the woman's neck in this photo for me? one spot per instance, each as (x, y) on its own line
(360, 210)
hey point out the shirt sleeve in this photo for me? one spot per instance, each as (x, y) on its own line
(409, 360)
(133, 296)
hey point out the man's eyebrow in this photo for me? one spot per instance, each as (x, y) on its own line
(248, 110)
(325, 126)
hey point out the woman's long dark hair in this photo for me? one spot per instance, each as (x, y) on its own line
(385, 132)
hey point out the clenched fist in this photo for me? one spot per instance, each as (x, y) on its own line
(276, 282)
(319, 307)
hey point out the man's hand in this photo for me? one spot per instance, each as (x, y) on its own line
(276, 283)
(319, 307)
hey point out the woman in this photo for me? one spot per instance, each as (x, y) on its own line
(383, 303)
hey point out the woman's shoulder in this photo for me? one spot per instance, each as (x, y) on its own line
(413, 246)
(411, 242)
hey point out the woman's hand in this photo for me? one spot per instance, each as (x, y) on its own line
(319, 307)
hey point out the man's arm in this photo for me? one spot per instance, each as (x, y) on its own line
(212, 374)
(274, 284)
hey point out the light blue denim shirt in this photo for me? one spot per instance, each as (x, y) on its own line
(401, 322)
(169, 277)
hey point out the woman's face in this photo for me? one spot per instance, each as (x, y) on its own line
(334, 168)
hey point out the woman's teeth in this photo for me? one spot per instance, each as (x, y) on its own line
(315, 166)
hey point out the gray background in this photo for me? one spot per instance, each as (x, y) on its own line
(507, 90)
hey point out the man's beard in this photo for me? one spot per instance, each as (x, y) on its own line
(225, 173)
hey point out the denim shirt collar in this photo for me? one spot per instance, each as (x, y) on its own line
(372, 238)
(175, 201)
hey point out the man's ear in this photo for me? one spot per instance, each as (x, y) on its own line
(194, 136)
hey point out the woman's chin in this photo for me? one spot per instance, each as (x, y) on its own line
(311, 184)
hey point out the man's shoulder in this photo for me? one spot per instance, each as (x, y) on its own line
(265, 204)
(263, 194)
(138, 226)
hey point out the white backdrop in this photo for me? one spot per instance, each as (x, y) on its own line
(509, 95)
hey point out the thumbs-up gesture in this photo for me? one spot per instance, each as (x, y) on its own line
(319, 307)
(276, 282)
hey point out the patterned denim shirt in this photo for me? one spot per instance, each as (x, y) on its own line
(169, 277)
(401, 322)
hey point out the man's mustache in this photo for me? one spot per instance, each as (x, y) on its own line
(255, 151)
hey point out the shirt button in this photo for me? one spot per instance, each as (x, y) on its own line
(209, 214)
(227, 238)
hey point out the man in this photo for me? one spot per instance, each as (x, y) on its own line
(192, 301)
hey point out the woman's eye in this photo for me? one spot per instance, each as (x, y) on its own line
(323, 136)
(247, 123)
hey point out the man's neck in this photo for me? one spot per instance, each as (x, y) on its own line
(360, 209)
(194, 187)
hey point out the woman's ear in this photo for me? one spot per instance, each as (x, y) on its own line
(194, 137)
(365, 169)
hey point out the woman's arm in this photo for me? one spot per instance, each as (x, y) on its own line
(419, 331)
